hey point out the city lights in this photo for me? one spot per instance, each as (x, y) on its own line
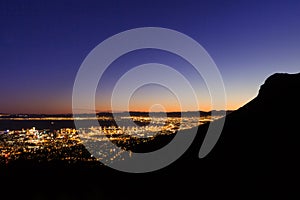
(66, 143)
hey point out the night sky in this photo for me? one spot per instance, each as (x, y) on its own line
(43, 43)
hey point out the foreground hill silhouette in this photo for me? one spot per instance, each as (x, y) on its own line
(260, 142)
(256, 156)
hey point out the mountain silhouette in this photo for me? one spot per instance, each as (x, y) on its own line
(260, 142)
(256, 156)
(267, 129)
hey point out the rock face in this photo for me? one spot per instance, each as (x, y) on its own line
(260, 142)
(279, 93)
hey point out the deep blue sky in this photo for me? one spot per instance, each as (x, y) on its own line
(42, 44)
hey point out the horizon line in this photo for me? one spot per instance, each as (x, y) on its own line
(110, 112)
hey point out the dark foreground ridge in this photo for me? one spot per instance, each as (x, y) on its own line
(256, 156)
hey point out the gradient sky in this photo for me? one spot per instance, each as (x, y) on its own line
(42, 45)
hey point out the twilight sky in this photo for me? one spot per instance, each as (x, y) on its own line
(42, 45)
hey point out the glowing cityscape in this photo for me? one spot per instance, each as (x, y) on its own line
(66, 144)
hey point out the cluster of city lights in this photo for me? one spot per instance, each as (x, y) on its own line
(67, 143)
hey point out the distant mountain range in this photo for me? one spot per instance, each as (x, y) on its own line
(257, 156)
(109, 114)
